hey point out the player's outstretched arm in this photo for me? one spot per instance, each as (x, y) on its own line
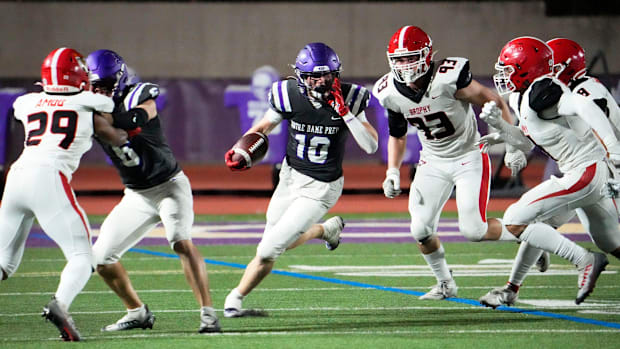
(108, 133)
(363, 132)
(477, 94)
(271, 119)
(492, 115)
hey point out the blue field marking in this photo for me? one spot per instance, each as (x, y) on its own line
(470, 302)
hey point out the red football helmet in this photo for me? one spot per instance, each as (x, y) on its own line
(569, 59)
(413, 43)
(520, 62)
(64, 70)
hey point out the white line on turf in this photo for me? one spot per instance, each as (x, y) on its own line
(298, 289)
(416, 331)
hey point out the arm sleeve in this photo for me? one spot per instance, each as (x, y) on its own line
(273, 116)
(364, 139)
(397, 124)
(591, 113)
(128, 120)
(512, 135)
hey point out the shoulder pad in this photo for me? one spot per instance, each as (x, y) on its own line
(279, 97)
(383, 88)
(139, 93)
(449, 70)
(356, 97)
(543, 94)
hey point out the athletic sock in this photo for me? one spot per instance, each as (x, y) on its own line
(526, 257)
(73, 278)
(438, 264)
(544, 237)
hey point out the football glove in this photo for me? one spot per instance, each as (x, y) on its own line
(336, 100)
(491, 114)
(134, 132)
(515, 160)
(485, 142)
(234, 165)
(391, 184)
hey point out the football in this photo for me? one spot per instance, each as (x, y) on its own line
(250, 149)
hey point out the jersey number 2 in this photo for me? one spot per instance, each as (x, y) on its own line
(63, 122)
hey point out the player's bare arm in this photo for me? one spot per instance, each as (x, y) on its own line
(106, 132)
(477, 94)
(150, 107)
(396, 151)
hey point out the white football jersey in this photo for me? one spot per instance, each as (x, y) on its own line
(447, 125)
(58, 128)
(563, 136)
(592, 89)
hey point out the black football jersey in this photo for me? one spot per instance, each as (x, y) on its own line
(316, 133)
(149, 160)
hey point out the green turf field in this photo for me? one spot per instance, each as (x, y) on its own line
(367, 299)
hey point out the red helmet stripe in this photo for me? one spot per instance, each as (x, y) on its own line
(53, 65)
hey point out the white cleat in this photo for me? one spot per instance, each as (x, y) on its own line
(499, 296)
(209, 323)
(331, 232)
(443, 289)
(128, 322)
(232, 305)
(589, 274)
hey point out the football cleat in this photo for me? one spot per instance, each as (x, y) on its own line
(443, 289)
(500, 296)
(233, 312)
(129, 322)
(589, 274)
(209, 323)
(55, 313)
(232, 307)
(331, 232)
(543, 262)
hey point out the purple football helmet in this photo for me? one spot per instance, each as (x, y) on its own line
(316, 59)
(108, 71)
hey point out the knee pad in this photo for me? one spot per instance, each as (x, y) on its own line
(473, 232)
(101, 257)
(420, 231)
(268, 253)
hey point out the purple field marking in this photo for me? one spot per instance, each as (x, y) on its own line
(38, 239)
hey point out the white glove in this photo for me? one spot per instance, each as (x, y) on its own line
(391, 184)
(611, 188)
(614, 153)
(491, 114)
(515, 160)
(488, 141)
